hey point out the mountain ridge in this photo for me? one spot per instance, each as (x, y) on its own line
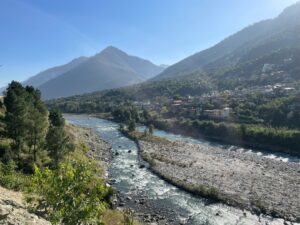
(234, 47)
(111, 68)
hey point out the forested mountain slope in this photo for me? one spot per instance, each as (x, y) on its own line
(254, 41)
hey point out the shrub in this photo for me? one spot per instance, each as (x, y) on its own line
(11, 179)
(69, 195)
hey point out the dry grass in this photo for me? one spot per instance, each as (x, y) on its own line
(149, 138)
(114, 217)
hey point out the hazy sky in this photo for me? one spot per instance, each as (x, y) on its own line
(38, 34)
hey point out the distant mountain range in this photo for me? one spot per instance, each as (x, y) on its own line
(111, 68)
(235, 61)
(250, 43)
(262, 55)
(53, 73)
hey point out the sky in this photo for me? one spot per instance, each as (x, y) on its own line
(38, 34)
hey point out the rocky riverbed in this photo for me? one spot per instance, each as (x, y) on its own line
(99, 149)
(143, 208)
(246, 180)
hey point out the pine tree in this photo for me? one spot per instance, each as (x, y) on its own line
(37, 122)
(57, 141)
(131, 125)
(15, 116)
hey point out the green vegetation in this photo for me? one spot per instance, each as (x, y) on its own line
(71, 194)
(280, 139)
(262, 96)
(39, 156)
(11, 178)
(113, 217)
(57, 140)
(135, 135)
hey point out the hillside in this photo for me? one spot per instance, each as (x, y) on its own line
(109, 69)
(280, 67)
(52, 73)
(258, 39)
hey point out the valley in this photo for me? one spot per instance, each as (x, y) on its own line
(205, 134)
(148, 194)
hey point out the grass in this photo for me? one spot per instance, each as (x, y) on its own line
(12, 179)
(147, 137)
(114, 217)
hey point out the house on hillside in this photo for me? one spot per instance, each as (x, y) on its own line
(267, 68)
(218, 113)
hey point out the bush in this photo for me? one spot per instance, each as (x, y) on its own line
(69, 195)
(11, 179)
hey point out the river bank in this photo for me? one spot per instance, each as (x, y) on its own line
(154, 200)
(233, 135)
(142, 208)
(247, 181)
(98, 148)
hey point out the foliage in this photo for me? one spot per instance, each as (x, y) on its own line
(151, 129)
(135, 135)
(57, 140)
(71, 194)
(26, 124)
(280, 139)
(131, 126)
(11, 179)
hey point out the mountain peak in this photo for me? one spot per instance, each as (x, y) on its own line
(112, 49)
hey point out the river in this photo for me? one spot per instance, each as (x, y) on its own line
(171, 202)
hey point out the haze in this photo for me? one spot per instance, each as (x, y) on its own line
(36, 35)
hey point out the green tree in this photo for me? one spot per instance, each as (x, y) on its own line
(70, 195)
(146, 115)
(131, 125)
(57, 141)
(37, 122)
(16, 116)
(26, 124)
(151, 129)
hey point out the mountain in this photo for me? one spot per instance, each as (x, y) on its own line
(111, 68)
(52, 73)
(261, 38)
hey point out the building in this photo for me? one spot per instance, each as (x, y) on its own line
(268, 68)
(218, 113)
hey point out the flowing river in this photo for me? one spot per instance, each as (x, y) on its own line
(134, 182)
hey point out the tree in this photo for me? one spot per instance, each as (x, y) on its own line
(131, 125)
(26, 122)
(71, 194)
(57, 141)
(15, 116)
(37, 121)
(151, 128)
(146, 115)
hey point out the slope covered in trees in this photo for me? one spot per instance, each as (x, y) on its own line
(250, 43)
(39, 156)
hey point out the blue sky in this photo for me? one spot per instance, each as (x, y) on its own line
(38, 34)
